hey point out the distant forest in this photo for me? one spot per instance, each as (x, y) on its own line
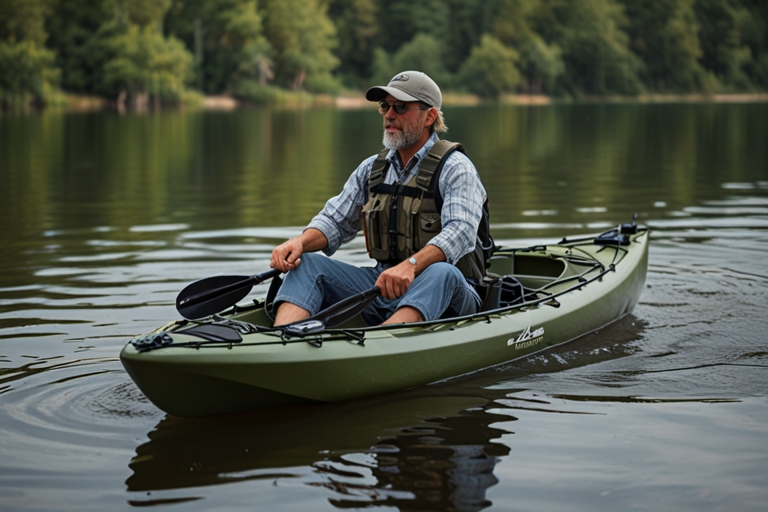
(174, 51)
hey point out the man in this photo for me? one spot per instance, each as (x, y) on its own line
(386, 195)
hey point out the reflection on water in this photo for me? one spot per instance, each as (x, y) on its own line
(105, 218)
(433, 447)
(444, 463)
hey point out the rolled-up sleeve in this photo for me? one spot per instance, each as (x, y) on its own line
(340, 218)
(463, 197)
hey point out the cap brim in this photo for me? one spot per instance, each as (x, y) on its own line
(379, 93)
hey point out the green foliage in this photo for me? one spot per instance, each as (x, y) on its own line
(595, 47)
(664, 33)
(383, 70)
(423, 53)
(302, 39)
(254, 91)
(357, 29)
(760, 72)
(23, 20)
(723, 24)
(253, 48)
(456, 24)
(72, 26)
(402, 20)
(28, 74)
(490, 69)
(143, 13)
(144, 62)
(541, 64)
(755, 36)
(227, 39)
(468, 21)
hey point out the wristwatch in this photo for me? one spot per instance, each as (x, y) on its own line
(412, 260)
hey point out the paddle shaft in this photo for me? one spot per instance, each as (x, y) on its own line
(346, 309)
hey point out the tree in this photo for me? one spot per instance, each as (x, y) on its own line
(72, 25)
(423, 53)
(490, 69)
(402, 20)
(358, 31)
(302, 39)
(456, 25)
(145, 63)
(755, 36)
(595, 47)
(541, 63)
(382, 68)
(468, 21)
(723, 23)
(227, 40)
(28, 73)
(664, 33)
(23, 20)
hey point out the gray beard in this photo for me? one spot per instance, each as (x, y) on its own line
(400, 140)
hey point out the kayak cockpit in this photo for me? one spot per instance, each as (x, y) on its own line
(533, 271)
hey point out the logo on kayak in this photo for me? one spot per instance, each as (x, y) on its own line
(527, 338)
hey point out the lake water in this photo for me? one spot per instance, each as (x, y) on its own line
(106, 217)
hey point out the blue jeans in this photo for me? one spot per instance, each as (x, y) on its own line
(319, 282)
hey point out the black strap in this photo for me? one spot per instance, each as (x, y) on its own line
(401, 190)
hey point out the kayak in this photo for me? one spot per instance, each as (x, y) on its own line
(538, 297)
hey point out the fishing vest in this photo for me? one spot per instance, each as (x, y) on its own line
(400, 219)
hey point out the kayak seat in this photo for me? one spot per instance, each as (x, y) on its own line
(501, 292)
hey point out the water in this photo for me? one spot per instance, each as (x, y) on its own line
(106, 217)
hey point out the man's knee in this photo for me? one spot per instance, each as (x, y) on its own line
(311, 265)
(445, 272)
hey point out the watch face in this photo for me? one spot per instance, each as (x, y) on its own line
(412, 261)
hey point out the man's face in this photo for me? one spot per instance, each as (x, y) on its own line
(402, 131)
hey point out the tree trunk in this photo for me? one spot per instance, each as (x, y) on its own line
(121, 101)
(298, 82)
(141, 102)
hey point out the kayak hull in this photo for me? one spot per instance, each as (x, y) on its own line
(188, 379)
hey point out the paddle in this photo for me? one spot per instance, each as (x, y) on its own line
(214, 294)
(336, 314)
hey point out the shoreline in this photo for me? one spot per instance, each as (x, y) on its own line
(350, 101)
(451, 99)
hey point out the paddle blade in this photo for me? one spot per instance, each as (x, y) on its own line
(212, 295)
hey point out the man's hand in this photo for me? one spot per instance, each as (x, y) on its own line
(394, 282)
(287, 256)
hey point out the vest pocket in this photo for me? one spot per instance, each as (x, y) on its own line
(376, 223)
(428, 226)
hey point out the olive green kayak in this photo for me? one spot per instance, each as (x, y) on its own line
(236, 361)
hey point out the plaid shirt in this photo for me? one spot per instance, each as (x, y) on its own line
(463, 197)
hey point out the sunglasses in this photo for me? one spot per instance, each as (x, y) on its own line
(399, 107)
